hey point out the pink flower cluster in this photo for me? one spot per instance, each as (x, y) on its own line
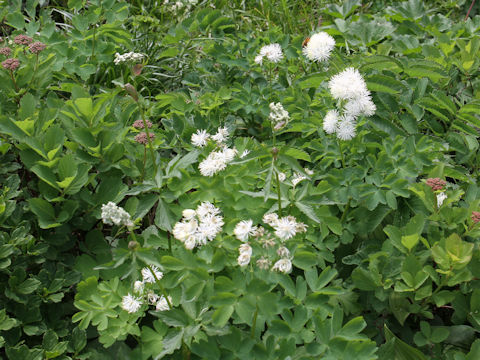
(138, 124)
(142, 138)
(436, 183)
(11, 64)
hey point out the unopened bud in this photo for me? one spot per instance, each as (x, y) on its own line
(133, 245)
(275, 152)
(131, 91)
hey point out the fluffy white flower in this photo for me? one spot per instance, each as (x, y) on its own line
(131, 303)
(113, 214)
(308, 171)
(278, 115)
(270, 219)
(152, 297)
(215, 162)
(221, 136)
(198, 226)
(162, 304)
(189, 214)
(149, 277)
(259, 59)
(272, 52)
(283, 265)
(347, 85)
(244, 229)
(440, 198)
(138, 287)
(130, 56)
(207, 208)
(297, 177)
(245, 249)
(228, 154)
(319, 47)
(346, 128)
(243, 259)
(200, 138)
(283, 252)
(285, 228)
(330, 121)
(282, 176)
(190, 243)
(362, 105)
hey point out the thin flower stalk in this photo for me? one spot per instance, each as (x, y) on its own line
(150, 145)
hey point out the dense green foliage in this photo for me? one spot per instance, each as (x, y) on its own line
(383, 271)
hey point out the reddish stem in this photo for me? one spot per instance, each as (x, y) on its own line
(470, 9)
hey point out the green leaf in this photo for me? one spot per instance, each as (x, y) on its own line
(164, 217)
(403, 351)
(221, 316)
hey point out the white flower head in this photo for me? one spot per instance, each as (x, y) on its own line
(131, 303)
(138, 287)
(297, 177)
(198, 226)
(263, 263)
(282, 177)
(285, 227)
(283, 252)
(128, 57)
(346, 128)
(319, 47)
(189, 214)
(149, 277)
(348, 85)
(362, 105)
(330, 121)
(244, 229)
(270, 219)
(200, 138)
(243, 259)
(152, 297)
(272, 52)
(278, 116)
(308, 171)
(113, 214)
(259, 59)
(221, 136)
(245, 249)
(162, 303)
(283, 265)
(440, 198)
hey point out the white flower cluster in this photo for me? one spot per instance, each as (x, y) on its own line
(245, 251)
(319, 47)
(441, 198)
(350, 88)
(285, 227)
(113, 214)
(177, 6)
(283, 265)
(244, 229)
(297, 177)
(217, 160)
(128, 57)
(198, 226)
(132, 303)
(272, 52)
(278, 116)
(201, 137)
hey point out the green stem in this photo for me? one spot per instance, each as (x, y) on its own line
(149, 140)
(169, 242)
(279, 196)
(144, 161)
(345, 211)
(342, 157)
(14, 82)
(93, 41)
